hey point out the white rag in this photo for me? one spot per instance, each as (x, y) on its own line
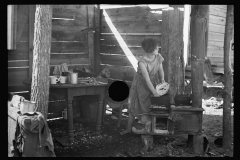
(60, 68)
(16, 101)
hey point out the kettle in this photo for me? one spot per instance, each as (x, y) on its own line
(72, 78)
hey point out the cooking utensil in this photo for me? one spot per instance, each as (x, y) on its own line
(163, 100)
(182, 99)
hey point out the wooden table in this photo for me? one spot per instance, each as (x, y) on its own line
(72, 90)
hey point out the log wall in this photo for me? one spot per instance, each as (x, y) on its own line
(134, 24)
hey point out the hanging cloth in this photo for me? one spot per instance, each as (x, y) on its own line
(60, 68)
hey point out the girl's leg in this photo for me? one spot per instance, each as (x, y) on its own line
(129, 124)
(146, 119)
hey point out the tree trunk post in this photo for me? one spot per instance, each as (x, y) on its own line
(227, 127)
(199, 14)
(172, 50)
(41, 57)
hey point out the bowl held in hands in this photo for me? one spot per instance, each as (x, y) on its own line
(162, 88)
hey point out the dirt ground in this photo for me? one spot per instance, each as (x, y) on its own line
(111, 144)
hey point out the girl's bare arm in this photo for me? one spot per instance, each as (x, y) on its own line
(162, 73)
(146, 77)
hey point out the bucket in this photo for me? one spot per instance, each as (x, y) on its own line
(27, 106)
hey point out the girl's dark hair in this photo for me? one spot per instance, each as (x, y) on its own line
(149, 45)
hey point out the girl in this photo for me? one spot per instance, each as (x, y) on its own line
(149, 74)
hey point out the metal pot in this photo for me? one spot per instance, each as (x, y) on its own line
(161, 101)
(182, 100)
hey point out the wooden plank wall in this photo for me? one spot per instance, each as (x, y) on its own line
(72, 43)
(18, 59)
(134, 24)
(217, 21)
(69, 43)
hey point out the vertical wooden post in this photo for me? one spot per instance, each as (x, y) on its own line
(199, 15)
(97, 36)
(206, 32)
(164, 42)
(172, 50)
(180, 56)
(189, 39)
(198, 144)
(91, 23)
(190, 137)
(227, 137)
(198, 26)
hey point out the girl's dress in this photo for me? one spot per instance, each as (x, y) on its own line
(139, 96)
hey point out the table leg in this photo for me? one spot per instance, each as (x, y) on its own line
(70, 119)
(104, 108)
(99, 114)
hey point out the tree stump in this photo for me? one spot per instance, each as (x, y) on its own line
(147, 141)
